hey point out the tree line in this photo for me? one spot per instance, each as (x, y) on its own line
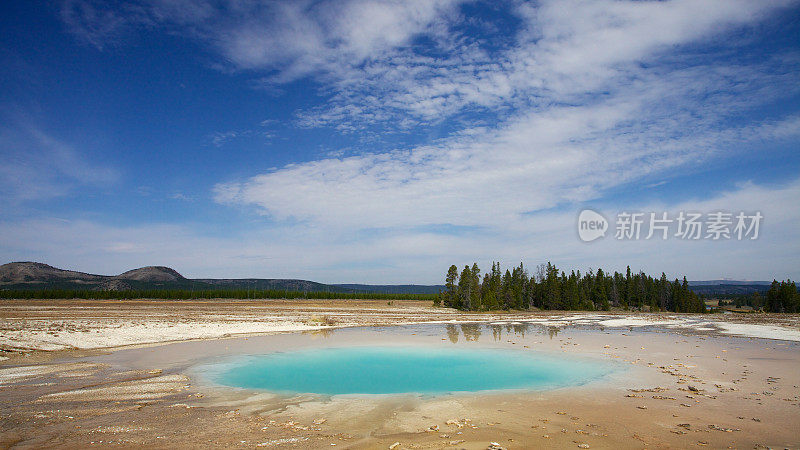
(781, 297)
(187, 294)
(551, 288)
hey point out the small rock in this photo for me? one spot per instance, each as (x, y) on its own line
(394, 446)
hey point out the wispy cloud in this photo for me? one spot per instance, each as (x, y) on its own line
(371, 66)
(566, 52)
(293, 39)
(220, 138)
(99, 24)
(36, 165)
(182, 197)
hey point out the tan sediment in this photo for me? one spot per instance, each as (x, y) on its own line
(15, 374)
(141, 389)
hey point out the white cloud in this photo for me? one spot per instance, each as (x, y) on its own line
(418, 255)
(593, 108)
(361, 50)
(588, 95)
(566, 52)
(536, 162)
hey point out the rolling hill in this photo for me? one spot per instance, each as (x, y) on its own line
(34, 275)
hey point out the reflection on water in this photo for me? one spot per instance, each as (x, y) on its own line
(321, 333)
(519, 328)
(452, 333)
(473, 331)
(497, 332)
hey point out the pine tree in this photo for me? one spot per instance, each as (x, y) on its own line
(773, 302)
(628, 287)
(465, 289)
(488, 297)
(475, 289)
(599, 293)
(450, 288)
(505, 298)
(663, 293)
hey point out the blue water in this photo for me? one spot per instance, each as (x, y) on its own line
(394, 370)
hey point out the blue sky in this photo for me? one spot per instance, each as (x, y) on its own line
(381, 141)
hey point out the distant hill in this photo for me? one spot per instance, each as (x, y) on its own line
(33, 275)
(151, 274)
(727, 282)
(268, 283)
(38, 273)
(394, 288)
(728, 287)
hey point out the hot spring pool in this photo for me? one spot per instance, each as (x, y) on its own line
(395, 370)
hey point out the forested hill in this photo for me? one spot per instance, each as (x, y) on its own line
(728, 287)
(393, 288)
(39, 276)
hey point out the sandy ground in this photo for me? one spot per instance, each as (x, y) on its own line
(718, 381)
